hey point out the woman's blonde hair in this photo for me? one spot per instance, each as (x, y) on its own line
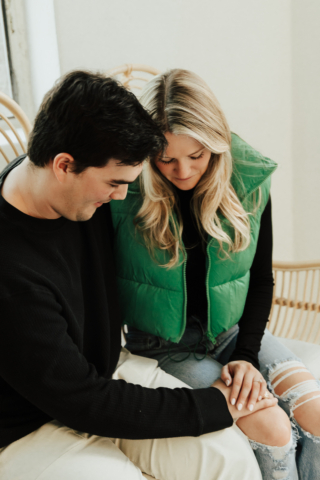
(180, 102)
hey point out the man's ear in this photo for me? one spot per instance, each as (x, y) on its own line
(62, 167)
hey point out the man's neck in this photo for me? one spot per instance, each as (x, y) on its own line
(23, 189)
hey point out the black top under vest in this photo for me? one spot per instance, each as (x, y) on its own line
(257, 309)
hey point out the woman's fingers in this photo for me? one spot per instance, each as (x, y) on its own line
(225, 375)
(265, 403)
(236, 387)
(263, 390)
(254, 395)
(247, 387)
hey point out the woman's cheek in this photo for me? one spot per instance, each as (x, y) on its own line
(163, 169)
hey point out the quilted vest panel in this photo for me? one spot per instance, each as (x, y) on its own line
(153, 299)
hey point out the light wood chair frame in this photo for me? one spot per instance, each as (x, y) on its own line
(127, 71)
(281, 322)
(22, 118)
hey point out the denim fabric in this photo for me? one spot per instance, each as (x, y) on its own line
(198, 363)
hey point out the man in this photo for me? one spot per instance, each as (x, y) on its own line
(64, 402)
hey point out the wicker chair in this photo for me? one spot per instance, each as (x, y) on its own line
(295, 313)
(14, 132)
(133, 72)
(296, 301)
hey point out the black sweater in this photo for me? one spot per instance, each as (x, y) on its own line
(258, 303)
(60, 338)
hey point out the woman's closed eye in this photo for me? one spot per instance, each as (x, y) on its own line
(166, 162)
(199, 156)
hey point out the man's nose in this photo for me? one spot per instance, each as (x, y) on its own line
(120, 193)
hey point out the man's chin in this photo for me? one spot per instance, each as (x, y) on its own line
(80, 216)
(84, 216)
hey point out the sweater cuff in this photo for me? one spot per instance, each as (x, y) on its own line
(213, 410)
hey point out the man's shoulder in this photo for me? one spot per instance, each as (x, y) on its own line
(10, 166)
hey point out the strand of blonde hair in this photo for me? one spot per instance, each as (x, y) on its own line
(180, 102)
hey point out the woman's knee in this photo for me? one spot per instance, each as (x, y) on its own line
(270, 426)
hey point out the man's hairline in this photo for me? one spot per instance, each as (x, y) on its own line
(118, 162)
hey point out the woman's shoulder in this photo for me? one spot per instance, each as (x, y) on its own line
(131, 204)
(135, 187)
(250, 168)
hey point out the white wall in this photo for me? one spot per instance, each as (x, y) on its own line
(242, 49)
(306, 128)
(43, 48)
(20, 62)
(5, 82)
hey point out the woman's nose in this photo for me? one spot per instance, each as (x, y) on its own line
(182, 170)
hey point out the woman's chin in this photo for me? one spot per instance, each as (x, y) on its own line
(187, 184)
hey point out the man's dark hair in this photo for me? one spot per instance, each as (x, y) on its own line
(93, 118)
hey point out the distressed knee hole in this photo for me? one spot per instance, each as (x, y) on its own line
(304, 389)
(281, 474)
(279, 456)
(306, 398)
(280, 375)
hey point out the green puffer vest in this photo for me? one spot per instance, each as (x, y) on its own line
(153, 298)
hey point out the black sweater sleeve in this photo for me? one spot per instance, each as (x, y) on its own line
(258, 304)
(40, 361)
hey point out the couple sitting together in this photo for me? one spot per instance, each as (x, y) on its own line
(184, 258)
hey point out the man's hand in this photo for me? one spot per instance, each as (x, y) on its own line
(248, 385)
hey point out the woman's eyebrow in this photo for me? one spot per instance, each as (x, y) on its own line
(190, 155)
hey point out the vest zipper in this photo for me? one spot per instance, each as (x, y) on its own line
(209, 332)
(174, 219)
(185, 293)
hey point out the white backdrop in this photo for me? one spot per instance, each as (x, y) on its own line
(259, 58)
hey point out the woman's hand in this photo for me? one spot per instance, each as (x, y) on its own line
(271, 401)
(248, 385)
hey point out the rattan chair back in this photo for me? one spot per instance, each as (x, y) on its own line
(13, 138)
(133, 75)
(295, 309)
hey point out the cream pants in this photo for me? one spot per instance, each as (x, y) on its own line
(56, 452)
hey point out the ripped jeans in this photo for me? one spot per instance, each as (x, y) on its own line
(199, 366)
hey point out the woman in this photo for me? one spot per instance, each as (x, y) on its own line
(194, 257)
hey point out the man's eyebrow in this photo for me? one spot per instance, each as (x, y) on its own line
(190, 155)
(120, 182)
